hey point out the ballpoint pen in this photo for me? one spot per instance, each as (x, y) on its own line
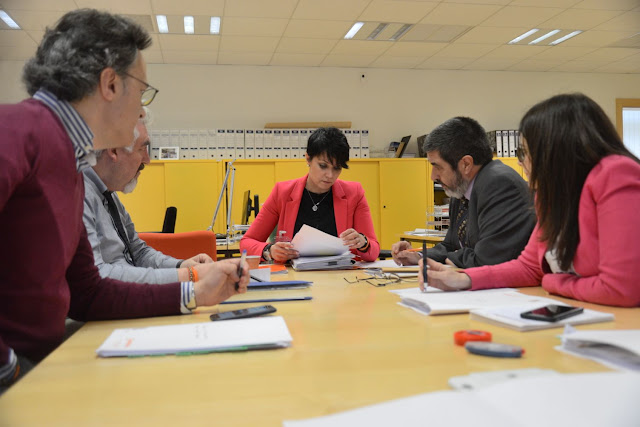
(243, 257)
(424, 265)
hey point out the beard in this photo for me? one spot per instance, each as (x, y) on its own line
(459, 187)
(130, 186)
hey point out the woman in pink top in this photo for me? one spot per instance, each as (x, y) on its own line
(586, 244)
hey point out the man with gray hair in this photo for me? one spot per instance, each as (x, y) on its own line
(491, 211)
(117, 250)
(87, 82)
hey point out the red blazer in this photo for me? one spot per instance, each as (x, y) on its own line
(349, 204)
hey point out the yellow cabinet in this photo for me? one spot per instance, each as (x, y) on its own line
(146, 204)
(256, 176)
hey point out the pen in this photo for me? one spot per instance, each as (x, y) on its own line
(424, 265)
(242, 259)
(255, 278)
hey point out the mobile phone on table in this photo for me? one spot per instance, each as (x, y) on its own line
(552, 313)
(243, 313)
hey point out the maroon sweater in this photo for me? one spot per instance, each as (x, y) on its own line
(46, 263)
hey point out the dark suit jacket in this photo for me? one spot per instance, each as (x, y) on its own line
(499, 222)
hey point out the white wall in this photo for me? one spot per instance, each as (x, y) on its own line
(390, 103)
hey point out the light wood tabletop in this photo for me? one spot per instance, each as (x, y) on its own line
(414, 238)
(353, 345)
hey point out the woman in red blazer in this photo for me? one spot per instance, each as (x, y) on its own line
(319, 200)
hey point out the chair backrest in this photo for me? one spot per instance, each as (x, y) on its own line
(183, 245)
(169, 224)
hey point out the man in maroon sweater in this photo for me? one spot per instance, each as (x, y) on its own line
(87, 83)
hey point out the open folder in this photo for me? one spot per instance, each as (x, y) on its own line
(229, 335)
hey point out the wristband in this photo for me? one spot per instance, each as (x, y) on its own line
(191, 277)
(366, 244)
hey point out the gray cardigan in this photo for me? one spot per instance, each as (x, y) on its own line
(108, 250)
(499, 222)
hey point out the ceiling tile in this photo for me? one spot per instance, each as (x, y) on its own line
(593, 38)
(333, 10)
(444, 63)
(310, 46)
(13, 53)
(260, 8)
(190, 42)
(39, 5)
(609, 54)
(244, 58)
(562, 53)
(153, 56)
(515, 52)
(396, 62)
(629, 21)
(491, 64)
(36, 36)
(534, 65)
(579, 66)
(35, 19)
(461, 50)
(580, 19)
(360, 47)
(302, 60)
(545, 3)
(460, 14)
(142, 7)
(499, 2)
(499, 35)
(618, 68)
(315, 29)
(269, 27)
(188, 7)
(608, 4)
(248, 44)
(189, 57)
(514, 16)
(396, 11)
(16, 38)
(348, 60)
(419, 49)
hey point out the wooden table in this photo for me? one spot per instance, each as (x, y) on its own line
(353, 345)
(419, 239)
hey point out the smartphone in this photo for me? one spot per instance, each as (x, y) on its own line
(243, 313)
(552, 313)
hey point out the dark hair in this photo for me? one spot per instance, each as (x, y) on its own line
(566, 136)
(332, 142)
(84, 42)
(459, 137)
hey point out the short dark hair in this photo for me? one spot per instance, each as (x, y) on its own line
(332, 142)
(84, 42)
(459, 137)
(566, 136)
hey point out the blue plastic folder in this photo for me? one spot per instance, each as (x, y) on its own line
(287, 290)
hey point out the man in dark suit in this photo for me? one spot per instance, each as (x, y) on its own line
(491, 214)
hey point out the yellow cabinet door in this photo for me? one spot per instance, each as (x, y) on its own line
(403, 197)
(193, 187)
(367, 173)
(146, 204)
(256, 176)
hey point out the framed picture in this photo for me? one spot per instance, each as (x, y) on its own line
(169, 153)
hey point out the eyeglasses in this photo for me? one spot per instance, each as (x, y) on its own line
(376, 278)
(148, 94)
(521, 153)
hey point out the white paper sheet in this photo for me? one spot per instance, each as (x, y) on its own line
(617, 349)
(310, 241)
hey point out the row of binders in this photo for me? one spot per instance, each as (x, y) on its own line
(258, 144)
(505, 143)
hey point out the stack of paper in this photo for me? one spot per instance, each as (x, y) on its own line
(617, 349)
(289, 290)
(320, 251)
(228, 335)
(336, 262)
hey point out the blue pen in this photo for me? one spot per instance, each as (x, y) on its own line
(243, 257)
(424, 265)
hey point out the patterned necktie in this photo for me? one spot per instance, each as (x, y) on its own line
(115, 216)
(461, 221)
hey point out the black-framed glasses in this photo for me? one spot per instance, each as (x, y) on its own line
(148, 94)
(521, 153)
(376, 278)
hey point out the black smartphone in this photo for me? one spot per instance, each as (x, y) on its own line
(243, 313)
(552, 313)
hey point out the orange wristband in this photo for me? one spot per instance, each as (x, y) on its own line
(195, 274)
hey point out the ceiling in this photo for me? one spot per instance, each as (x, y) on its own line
(445, 34)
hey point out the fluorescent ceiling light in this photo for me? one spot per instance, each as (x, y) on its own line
(163, 27)
(524, 36)
(214, 28)
(546, 36)
(354, 30)
(189, 25)
(401, 32)
(7, 20)
(377, 31)
(567, 37)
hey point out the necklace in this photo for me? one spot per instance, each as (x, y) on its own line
(315, 205)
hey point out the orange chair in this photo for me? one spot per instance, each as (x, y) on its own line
(182, 245)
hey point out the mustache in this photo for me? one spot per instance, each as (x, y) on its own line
(141, 167)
